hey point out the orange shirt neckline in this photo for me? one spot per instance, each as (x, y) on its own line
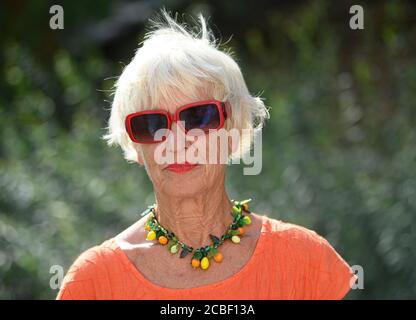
(139, 275)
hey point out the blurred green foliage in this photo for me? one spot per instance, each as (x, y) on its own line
(338, 153)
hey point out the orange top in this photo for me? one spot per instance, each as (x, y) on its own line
(289, 262)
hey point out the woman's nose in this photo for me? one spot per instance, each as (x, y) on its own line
(177, 138)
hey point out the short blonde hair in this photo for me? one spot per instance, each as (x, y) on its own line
(174, 59)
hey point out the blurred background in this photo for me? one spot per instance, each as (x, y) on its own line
(338, 153)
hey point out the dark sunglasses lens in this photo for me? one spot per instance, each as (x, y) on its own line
(144, 126)
(202, 117)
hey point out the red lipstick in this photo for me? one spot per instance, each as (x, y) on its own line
(181, 167)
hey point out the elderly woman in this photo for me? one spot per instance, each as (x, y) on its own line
(194, 242)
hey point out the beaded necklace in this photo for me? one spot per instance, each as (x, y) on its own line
(201, 256)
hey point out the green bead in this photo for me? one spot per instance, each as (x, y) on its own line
(174, 248)
(236, 210)
(247, 220)
(235, 239)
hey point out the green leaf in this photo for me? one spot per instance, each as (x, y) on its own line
(234, 232)
(184, 253)
(212, 252)
(198, 255)
(214, 238)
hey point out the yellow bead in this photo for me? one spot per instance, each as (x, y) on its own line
(151, 235)
(236, 210)
(235, 239)
(204, 263)
(247, 220)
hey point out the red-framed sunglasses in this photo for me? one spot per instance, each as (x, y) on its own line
(205, 115)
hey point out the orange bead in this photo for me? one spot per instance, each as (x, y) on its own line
(163, 240)
(245, 206)
(218, 257)
(147, 228)
(195, 263)
(241, 230)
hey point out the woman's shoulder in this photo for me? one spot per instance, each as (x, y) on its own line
(91, 270)
(311, 256)
(93, 261)
(282, 230)
(297, 238)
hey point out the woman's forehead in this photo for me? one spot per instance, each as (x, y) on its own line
(178, 99)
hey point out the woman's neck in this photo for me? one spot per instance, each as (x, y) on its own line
(193, 219)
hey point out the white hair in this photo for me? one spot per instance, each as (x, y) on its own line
(173, 59)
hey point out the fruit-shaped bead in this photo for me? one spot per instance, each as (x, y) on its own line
(218, 257)
(151, 235)
(241, 230)
(236, 210)
(195, 263)
(235, 239)
(174, 248)
(247, 220)
(147, 227)
(163, 240)
(204, 263)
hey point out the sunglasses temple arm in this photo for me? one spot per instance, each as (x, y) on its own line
(224, 106)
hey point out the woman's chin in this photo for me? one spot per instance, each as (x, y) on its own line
(187, 182)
